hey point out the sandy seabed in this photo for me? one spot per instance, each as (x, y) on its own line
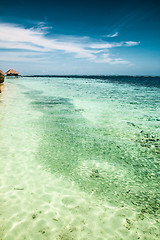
(35, 204)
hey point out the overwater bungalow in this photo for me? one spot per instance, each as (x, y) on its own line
(12, 72)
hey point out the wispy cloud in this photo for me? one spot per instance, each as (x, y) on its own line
(16, 37)
(112, 35)
(105, 58)
(107, 45)
(37, 39)
(131, 43)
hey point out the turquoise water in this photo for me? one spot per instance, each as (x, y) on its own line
(78, 153)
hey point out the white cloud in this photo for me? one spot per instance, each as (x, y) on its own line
(13, 36)
(130, 43)
(112, 35)
(34, 40)
(106, 58)
(105, 45)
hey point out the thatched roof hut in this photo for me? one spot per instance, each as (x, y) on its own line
(1, 72)
(11, 72)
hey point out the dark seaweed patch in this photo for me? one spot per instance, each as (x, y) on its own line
(50, 102)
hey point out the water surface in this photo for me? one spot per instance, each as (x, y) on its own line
(78, 153)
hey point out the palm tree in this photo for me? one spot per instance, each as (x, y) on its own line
(1, 78)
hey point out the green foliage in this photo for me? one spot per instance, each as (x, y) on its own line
(1, 78)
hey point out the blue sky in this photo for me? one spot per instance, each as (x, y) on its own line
(80, 37)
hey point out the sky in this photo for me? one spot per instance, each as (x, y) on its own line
(80, 37)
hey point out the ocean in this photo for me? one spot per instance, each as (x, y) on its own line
(80, 158)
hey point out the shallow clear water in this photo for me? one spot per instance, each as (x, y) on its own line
(80, 159)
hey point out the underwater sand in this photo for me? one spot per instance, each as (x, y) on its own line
(79, 160)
